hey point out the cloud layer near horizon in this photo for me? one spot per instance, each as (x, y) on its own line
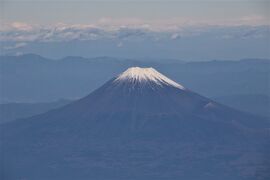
(111, 28)
(136, 39)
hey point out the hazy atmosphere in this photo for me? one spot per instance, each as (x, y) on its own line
(134, 90)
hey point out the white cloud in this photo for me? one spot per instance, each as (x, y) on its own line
(175, 36)
(130, 28)
(21, 26)
(252, 20)
(15, 46)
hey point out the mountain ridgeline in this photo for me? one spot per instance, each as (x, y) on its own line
(138, 125)
(32, 78)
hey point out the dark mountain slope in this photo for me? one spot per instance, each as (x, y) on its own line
(139, 125)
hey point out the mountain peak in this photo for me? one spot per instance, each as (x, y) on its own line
(138, 74)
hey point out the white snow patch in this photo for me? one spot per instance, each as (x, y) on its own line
(147, 74)
(210, 105)
(175, 36)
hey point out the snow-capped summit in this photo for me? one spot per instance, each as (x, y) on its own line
(138, 74)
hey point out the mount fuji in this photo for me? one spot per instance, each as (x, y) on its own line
(138, 125)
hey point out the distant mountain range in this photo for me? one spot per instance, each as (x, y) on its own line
(13, 111)
(138, 125)
(252, 103)
(32, 78)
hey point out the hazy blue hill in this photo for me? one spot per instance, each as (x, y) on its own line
(34, 78)
(252, 103)
(12, 111)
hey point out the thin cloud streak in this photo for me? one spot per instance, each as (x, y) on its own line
(154, 25)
